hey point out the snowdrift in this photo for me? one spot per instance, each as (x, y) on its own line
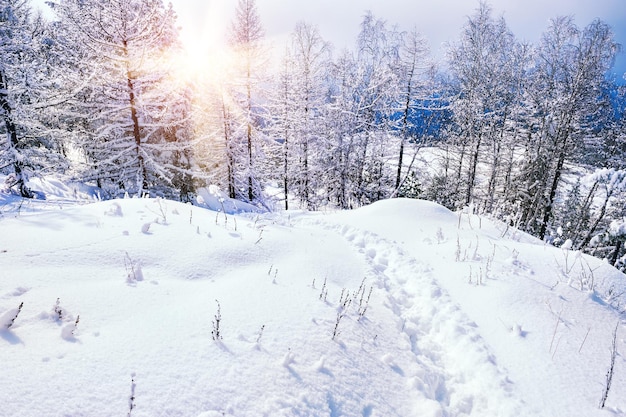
(148, 307)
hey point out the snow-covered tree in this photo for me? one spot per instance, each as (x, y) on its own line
(486, 63)
(414, 73)
(298, 108)
(563, 93)
(586, 218)
(282, 130)
(137, 136)
(245, 138)
(375, 96)
(341, 111)
(29, 141)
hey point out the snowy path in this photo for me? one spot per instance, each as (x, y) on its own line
(449, 367)
(299, 333)
(524, 299)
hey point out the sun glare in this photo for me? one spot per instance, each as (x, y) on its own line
(204, 40)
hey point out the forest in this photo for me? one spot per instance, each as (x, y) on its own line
(530, 134)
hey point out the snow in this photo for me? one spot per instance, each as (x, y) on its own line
(466, 317)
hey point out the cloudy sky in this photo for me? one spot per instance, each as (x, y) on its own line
(205, 21)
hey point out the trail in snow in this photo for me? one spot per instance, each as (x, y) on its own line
(452, 370)
(530, 302)
(300, 334)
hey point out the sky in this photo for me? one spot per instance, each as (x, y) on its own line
(205, 21)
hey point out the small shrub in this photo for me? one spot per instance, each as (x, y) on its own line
(58, 311)
(133, 270)
(69, 331)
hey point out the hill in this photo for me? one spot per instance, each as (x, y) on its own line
(148, 307)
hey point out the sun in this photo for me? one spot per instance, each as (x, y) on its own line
(203, 37)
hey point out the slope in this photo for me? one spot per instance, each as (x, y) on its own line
(154, 308)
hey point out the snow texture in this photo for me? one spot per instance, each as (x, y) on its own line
(465, 316)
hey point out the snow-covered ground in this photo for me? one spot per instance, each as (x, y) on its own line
(147, 307)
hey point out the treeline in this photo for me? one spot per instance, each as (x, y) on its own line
(532, 134)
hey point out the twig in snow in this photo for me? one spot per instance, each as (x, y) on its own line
(324, 292)
(260, 237)
(216, 332)
(558, 320)
(584, 339)
(258, 339)
(9, 317)
(609, 373)
(131, 399)
(363, 308)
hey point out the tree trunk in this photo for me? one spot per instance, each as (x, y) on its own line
(286, 170)
(12, 134)
(595, 224)
(405, 125)
(550, 203)
(471, 178)
(249, 135)
(615, 255)
(229, 152)
(142, 180)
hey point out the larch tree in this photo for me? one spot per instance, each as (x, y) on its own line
(563, 93)
(378, 51)
(310, 57)
(483, 65)
(30, 143)
(137, 129)
(282, 128)
(246, 42)
(341, 109)
(414, 71)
